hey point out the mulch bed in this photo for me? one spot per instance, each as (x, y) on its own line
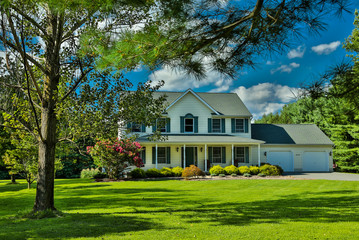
(205, 178)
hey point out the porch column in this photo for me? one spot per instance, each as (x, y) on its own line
(259, 155)
(232, 155)
(184, 155)
(205, 157)
(156, 156)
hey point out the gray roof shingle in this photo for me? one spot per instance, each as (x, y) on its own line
(304, 134)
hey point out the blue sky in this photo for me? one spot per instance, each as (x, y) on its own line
(272, 83)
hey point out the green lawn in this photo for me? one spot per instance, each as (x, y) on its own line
(233, 209)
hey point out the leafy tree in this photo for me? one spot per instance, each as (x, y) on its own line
(64, 60)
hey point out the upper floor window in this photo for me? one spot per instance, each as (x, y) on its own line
(216, 125)
(135, 127)
(163, 125)
(189, 124)
(239, 125)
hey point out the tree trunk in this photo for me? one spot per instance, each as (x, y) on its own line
(46, 175)
(28, 184)
(13, 180)
(47, 142)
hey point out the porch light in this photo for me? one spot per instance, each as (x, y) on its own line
(177, 149)
(265, 153)
(330, 153)
(201, 149)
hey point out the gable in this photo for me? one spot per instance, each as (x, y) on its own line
(228, 104)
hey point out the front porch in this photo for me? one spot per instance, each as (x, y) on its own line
(202, 152)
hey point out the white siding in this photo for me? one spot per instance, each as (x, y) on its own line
(189, 104)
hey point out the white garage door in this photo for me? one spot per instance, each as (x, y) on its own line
(315, 162)
(283, 159)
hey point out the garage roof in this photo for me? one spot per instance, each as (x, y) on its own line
(303, 134)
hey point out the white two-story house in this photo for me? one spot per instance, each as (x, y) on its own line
(207, 129)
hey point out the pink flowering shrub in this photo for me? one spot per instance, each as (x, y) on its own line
(116, 155)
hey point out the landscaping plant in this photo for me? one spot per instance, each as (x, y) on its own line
(231, 170)
(216, 170)
(192, 171)
(116, 155)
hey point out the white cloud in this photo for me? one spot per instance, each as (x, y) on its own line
(266, 98)
(270, 62)
(176, 80)
(285, 68)
(326, 48)
(297, 52)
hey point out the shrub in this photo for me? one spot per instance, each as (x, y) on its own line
(243, 169)
(261, 175)
(192, 171)
(214, 175)
(166, 172)
(247, 175)
(254, 170)
(153, 173)
(216, 170)
(234, 175)
(271, 170)
(177, 171)
(231, 169)
(138, 173)
(89, 172)
(222, 175)
(100, 175)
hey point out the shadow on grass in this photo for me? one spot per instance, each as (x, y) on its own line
(76, 226)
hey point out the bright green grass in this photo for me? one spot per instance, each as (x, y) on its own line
(233, 209)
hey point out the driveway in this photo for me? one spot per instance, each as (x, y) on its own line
(327, 176)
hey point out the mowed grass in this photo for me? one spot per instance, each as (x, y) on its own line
(233, 209)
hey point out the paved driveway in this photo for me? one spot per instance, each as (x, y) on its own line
(327, 176)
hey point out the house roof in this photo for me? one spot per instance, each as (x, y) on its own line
(223, 103)
(203, 138)
(302, 134)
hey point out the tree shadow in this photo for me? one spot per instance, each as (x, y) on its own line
(77, 226)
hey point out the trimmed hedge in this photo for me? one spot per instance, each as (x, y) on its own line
(231, 170)
(153, 173)
(138, 173)
(177, 171)
(243, 169)
(192, 171)
(216, 170)
(271, 170)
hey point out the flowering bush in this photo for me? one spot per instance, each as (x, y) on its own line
(116, 155)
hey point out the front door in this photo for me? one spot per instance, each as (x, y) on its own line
(191, 156)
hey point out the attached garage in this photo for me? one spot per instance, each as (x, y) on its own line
(315, 162)
(282, 159)
(294, 147)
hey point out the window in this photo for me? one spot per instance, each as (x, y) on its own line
(143, 155)
(188, 124)
(217, 155)
(162, 124)
(239, 154)
(134, 127)
(239, 125)
(162, 155)
(216, 125)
